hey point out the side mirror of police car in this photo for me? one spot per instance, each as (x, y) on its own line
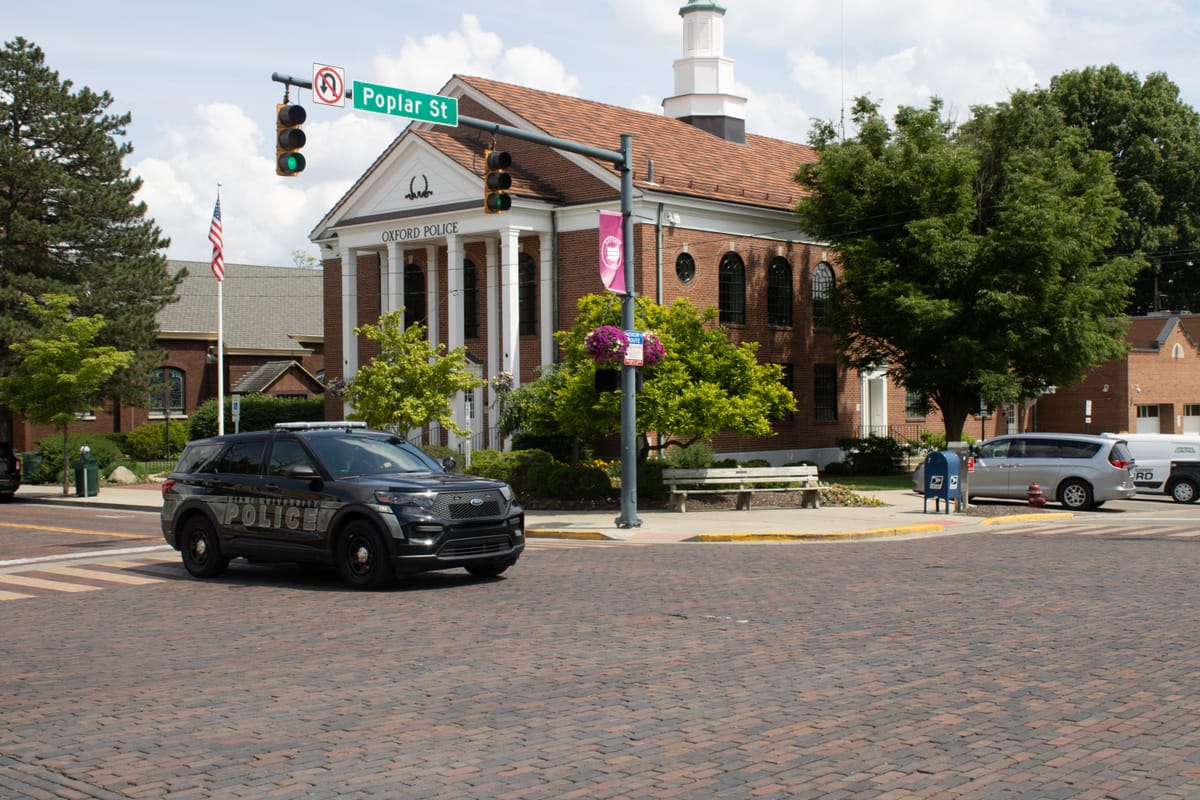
(302, 472)
(449, 463)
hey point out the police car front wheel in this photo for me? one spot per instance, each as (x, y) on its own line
(362, 557)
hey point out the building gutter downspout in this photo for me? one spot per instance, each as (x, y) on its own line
(658, 256)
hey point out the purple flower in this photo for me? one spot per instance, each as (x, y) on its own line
(652, 350)
(606, 344)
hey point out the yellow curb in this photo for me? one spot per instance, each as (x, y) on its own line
(550, 533)
(814, 537)
(1042, 517)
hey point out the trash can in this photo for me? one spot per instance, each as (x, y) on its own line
(30, 461)
(87, 476)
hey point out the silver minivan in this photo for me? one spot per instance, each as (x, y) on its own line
(1078, 470)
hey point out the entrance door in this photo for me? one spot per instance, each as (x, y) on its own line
(874, 403)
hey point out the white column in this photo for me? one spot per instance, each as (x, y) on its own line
(432, 304)
(492, 271)
(454, 325)
(395, 277)
(349, 314)
(546, 299)
(510, 312)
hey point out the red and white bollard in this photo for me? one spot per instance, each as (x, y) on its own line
(1036, 498)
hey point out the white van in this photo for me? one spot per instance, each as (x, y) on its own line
(1153, 453)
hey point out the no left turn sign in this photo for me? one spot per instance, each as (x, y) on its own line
(329, 85)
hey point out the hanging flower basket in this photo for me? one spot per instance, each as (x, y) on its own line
(652, 350)
(607, 345)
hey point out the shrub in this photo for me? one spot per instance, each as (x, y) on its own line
(147, 442)
(491, 464)
(649, 478)
(258, 413)
(697, 455)
(755, 462)
(836, 468)
(104, 450)
(874, 455)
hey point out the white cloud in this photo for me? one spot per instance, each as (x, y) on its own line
(426, 64)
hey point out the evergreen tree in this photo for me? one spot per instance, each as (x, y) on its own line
(69, 222)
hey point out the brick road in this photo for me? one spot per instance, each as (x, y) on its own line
(974, 666)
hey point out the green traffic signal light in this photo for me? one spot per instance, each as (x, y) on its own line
(496, 181)
(289, 139)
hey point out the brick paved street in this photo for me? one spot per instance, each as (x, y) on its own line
(971, 666)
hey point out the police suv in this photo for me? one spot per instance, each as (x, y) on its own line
(365, 501)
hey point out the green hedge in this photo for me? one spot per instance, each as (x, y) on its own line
(258, 413)
(106, 452)
(149, 442)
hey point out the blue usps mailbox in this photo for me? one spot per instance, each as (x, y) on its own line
(942, 480)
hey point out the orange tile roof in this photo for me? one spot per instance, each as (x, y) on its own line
(687, 160)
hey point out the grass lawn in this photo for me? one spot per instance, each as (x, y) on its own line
(872, 483)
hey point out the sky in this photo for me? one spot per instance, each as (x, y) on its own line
(196, 77)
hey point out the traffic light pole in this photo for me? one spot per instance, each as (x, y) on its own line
(623, 160)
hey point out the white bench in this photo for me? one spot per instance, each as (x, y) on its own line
(745, 481)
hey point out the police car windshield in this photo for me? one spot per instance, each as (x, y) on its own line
(353, 456)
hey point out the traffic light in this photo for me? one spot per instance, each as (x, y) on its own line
(289, 139)
(496, 181)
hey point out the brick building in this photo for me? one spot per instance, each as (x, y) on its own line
(1154, 389)
(714, 222)
(273, 336)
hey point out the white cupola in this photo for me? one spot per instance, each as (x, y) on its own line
(704, 76)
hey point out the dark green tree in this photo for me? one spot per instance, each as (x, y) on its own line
(1153, 139)
(69, 222)
(973, 263)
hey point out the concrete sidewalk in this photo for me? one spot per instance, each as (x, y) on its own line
(902, 514)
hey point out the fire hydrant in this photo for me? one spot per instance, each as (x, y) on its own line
(1036, 498)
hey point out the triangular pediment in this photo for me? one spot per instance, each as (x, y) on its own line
(413, 177)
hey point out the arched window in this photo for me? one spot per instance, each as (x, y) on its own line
(414, 295)
(685, 268)
(470, 300)
(822, 291)
(527, 298)
(779, 292)
(166, 395)
(731, 288)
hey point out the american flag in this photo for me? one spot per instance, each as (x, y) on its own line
(214, 236)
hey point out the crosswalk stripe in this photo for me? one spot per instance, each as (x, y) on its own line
(13, 596)
(98, 575)
(41, 583)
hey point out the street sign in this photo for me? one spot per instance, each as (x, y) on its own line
(329, 85)
(634, 353)
(404, 103)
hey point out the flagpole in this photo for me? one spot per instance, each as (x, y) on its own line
(220, 358)
(216, 236)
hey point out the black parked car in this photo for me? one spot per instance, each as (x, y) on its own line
(365, 501)
(10, 472)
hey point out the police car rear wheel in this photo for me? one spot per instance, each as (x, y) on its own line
(201, 554)
(363, 558)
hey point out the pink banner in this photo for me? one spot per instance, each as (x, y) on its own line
(612, 252)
